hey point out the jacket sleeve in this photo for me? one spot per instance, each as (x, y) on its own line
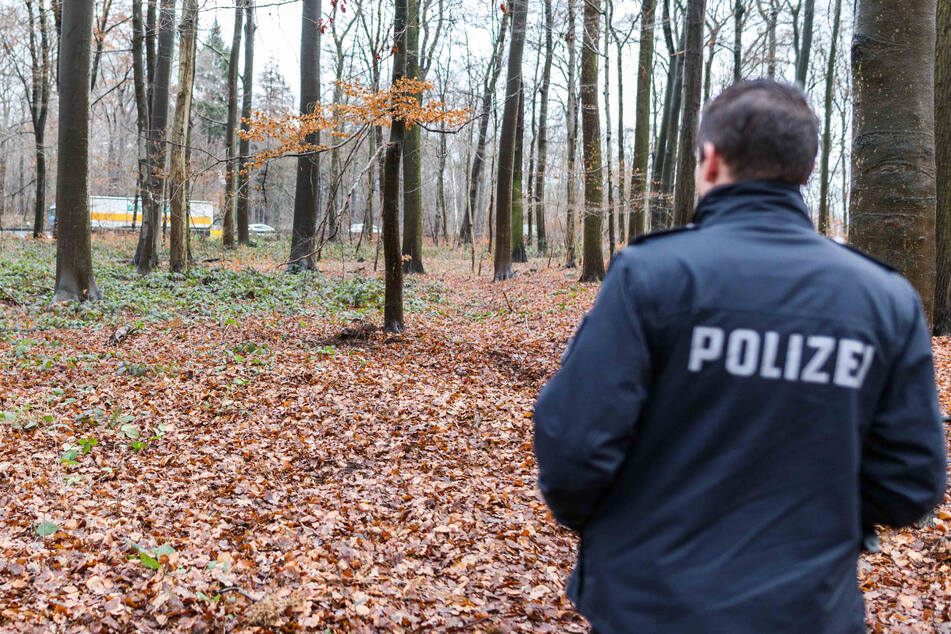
(585, 417)
(903, 455)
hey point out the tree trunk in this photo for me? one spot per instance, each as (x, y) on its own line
(503, 196)
(685, 195)
(308, 168)
(802, 60)
(141, 107)
(592, 264)
(518, 238)
(608, 14)
(412, 180)
(478, 158)
(231, 172)
(178, 253)
(622, 206)
(244, 147)
(541, 161)
(74, 275)
(37, 91)
(893, 145)
(942, 301)
(739, 11)
(572, 117)
(39, 202)
(827, 124)
(147, 252)
(771, 38)
(642, 113)
(393, 293)
(676, 105)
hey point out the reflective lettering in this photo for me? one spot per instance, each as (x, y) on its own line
(706, 345)
(742, 352)
(813, 372)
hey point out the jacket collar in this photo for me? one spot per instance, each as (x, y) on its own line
(782, 201)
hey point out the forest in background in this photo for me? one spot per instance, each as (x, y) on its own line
(231, 438)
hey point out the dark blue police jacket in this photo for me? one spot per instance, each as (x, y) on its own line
(745, 397)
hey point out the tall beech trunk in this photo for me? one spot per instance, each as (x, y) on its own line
(503, 195)
(478, 157)
(676, 106)
(244, 147)
(146, 257)
(141, 107)
(622, 204)
(592, 264)
(642, 108)
(231, 137)
(572, 116)
(942, 299)
(609, 176)
(541, 162)
(412, 179)
(892, 212)
(518, 237)
(772, 19)
(805, 50)
(178, 191)
(685, 194)
(37, 89)
(308, 167)
(739, 12)
(824, 175)
(393, 278)
(74, 274)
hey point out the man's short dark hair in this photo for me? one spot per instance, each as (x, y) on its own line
(763, 129)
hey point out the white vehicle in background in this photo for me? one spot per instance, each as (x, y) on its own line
(261, 229)
(357, 228)
(119, 212)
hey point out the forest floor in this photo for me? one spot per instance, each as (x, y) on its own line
(254, 454)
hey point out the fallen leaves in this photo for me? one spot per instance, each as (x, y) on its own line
(300, 472)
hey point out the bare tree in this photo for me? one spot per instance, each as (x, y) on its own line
(36, 87)
(478, 157)
(518, 238)
(541, 161)
(824, 175)
(308, 168)
(739, 13)
(685, 194)
(178, 256)
(146, 256)
(642, 106)
(393, 278)
(247, 88)
(942, 300)
(893, 148)
(503, 196)
(805, 49)
(592, 264)
(74, 275)
(231, 139)
(572, 122)
(412, 183)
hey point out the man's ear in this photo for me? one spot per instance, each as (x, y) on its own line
(712, 163)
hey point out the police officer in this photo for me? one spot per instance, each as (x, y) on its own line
(745, 400)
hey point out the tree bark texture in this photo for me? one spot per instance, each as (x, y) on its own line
(74, 274)
(503, 195)
(642, 112)
(892, 214)
(308, 167)
(592, 264)
(685, 194)
(178, 253)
